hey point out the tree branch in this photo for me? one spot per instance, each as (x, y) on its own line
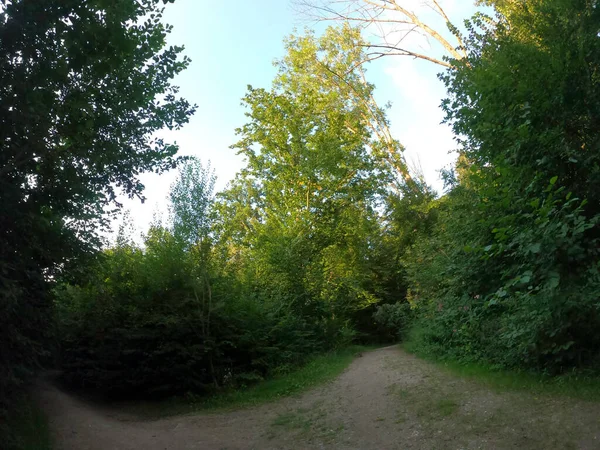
(380, 13)
(403, 52)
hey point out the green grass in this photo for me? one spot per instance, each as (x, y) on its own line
(446, 407)
(318, 370)
(577, 385)
(310, 423)
(293, 420)
(429, 403)
(29, 428)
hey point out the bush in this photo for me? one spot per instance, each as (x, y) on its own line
(527, 299)
(142, 323)
(510, 273)
(394, 320)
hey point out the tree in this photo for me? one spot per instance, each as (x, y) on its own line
(336, 60)
(304, 210)
(394, 22)
(191, 208)
(191, 197)
(84, 86)
(517, 249)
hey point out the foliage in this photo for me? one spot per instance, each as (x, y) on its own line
(191, 200)
(510, 274)
(139, 326)
(29, 427)
(304, 212)
(84, 86)
(168, 319)
(394, 319)
(289, 262)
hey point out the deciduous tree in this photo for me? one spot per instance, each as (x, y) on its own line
(84, 87)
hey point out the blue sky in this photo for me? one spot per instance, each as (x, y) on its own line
(233, 44)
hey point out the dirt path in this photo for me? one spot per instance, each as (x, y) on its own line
(386, 399)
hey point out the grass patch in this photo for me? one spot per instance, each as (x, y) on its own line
(428, 403)
(310, 424)
(577, 385)
(293, 421)
(446, 407)
(318, 370)
(29, 428)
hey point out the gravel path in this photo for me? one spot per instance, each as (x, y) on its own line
(386, 399)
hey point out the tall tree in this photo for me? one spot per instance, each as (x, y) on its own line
(305, 206)
(336, 61)
(84, 86)
(191, 197)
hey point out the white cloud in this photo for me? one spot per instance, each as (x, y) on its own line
(416, 116)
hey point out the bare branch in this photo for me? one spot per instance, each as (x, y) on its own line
(447, 19)
(376, 121)
(395, 51)
(388, 18)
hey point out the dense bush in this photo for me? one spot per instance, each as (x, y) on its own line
(183, 313)
(527, 299)
(142, 323)
(84, 86)
(394, 319)
(510, 274)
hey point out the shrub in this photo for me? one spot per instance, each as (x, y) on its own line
(394, 319)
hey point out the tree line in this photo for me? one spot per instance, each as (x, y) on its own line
(326, 236)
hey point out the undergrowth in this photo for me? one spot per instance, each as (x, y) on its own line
(319, 370)
(29, 428)
(577, 384)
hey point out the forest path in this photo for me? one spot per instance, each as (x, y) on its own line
(386, 399)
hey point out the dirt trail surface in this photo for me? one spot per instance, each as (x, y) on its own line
(386, 399)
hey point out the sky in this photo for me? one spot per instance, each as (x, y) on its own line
(233, 44)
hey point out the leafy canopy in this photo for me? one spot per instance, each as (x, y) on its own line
(84, 87)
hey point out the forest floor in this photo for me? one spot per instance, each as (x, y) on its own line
(386, 399)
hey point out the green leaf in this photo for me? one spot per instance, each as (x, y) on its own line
(553, 280)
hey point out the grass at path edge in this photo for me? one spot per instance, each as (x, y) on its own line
(29, 429)
(576, 384)
(316, 371)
